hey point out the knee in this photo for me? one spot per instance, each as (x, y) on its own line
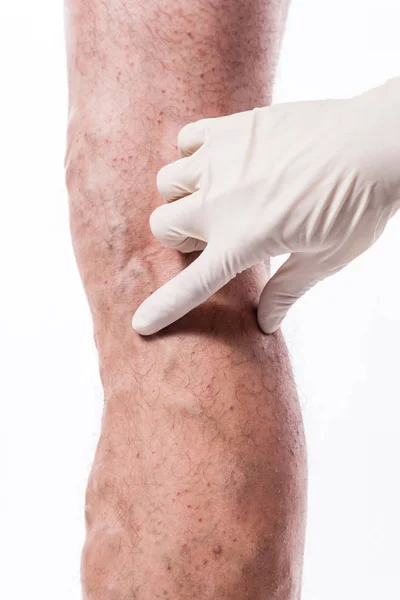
(88, 162)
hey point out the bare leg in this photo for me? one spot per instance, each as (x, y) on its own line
(198, 488)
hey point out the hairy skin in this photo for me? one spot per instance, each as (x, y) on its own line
(198, 488)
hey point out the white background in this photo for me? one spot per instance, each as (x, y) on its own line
(344, 336)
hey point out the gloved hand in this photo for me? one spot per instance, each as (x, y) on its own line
(317, 179)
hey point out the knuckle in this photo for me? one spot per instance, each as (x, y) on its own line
(192, 133)
(158, 223)
(182, 135)
(163, 180)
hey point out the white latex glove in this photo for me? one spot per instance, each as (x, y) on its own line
(317, 179)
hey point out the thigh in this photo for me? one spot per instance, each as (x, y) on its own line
(138, 71)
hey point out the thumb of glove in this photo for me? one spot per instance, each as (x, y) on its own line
(294, 278)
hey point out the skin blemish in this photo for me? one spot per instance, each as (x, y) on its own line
(217, 549)
(205, 561)
(202, 75)
(200, 520)
(234, 539)
(137, 455)
(169, 568)
(190, 34)
(189, 506)
(184, 546)
(159, 522)
(163, 91)
(159, 121)
(105, 281)
(165, 592)
(130, 157)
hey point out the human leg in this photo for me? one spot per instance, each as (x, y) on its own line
(198, 484)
